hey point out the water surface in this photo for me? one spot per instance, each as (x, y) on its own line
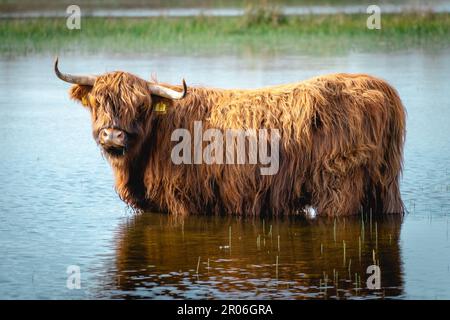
(58, 206)
(439, 6)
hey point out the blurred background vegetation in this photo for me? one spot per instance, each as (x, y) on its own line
(30, 5)
(262, 26)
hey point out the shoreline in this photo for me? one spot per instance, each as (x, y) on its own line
(256, 32)
(192, 12)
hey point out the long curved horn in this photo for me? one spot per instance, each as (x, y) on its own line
(83, 80)
(166, 92)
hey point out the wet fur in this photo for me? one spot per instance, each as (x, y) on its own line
(341, 146)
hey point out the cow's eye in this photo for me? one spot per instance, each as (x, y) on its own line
(142, 112)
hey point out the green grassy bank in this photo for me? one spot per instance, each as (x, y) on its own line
(255, 31)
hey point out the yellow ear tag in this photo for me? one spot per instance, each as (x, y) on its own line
(84, 101)
(160, 107)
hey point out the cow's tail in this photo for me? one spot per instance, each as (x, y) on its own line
(393, 154)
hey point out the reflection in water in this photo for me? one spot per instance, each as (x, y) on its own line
(217, 257)
(58, 206)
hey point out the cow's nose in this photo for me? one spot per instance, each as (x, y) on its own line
(112, 137)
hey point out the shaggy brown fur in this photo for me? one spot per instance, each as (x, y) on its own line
(341, 146)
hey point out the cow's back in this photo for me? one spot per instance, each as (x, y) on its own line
(330, 127)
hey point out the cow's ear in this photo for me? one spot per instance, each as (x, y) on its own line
(81, 94)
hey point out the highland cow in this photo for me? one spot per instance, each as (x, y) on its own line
(341, 144)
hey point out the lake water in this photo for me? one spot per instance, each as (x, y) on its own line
(58, 206)
(435, 6)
